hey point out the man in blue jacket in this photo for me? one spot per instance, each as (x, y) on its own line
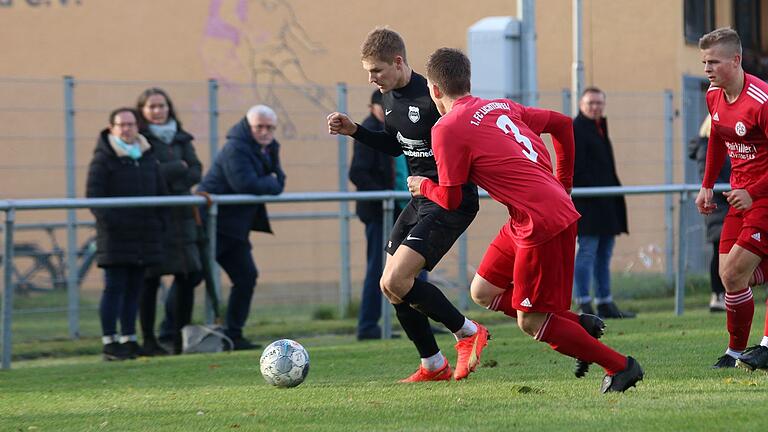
(249, 163)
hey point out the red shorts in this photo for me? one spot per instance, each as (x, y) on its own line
(748, 229)
(542, 275)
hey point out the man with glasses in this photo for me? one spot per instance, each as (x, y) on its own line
(249, 163)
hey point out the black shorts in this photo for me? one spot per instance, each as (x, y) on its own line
(429, 229)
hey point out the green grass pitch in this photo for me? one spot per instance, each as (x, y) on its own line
(521, 385)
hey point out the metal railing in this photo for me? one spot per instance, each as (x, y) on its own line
(10, 207)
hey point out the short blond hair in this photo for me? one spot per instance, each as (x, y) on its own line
(724, 36)
(383, 44)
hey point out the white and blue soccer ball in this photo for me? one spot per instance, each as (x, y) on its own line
(284, 363)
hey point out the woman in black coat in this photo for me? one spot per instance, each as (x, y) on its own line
(127, 239)
(181, 170)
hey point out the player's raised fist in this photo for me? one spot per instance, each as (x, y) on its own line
(339, 123)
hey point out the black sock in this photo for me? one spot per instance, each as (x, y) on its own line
(416, 326)
(428, 299)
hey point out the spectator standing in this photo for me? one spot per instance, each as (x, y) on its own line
(602, 218)
(127, 239)
(697, 150)
(249, 163)
(181, 170)
(371, 170)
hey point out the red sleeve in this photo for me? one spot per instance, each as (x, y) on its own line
(760, 188)
(447, 197)
(715, 159)
(560, 127)
(451, 156)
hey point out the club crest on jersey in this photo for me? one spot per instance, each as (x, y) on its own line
(413, 114)
(741, 130)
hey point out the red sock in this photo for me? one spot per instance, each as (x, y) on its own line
(739, 310)
(569, 338)
(570, 316)
(503, 303)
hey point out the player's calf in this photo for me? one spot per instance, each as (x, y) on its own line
(595, 327)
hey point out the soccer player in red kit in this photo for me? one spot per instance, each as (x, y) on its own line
(492, 143)
(738, 104)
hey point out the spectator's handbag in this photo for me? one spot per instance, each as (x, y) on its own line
(197, 338)
(205, 338)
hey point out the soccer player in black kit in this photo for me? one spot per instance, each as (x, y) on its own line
(424, 232)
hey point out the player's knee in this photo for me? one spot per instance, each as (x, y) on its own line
(479, 296)
(389, 287)
(733, 279)
(481, 292)
(528, 324)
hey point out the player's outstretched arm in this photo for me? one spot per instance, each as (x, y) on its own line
(447, 197)
(560, 127)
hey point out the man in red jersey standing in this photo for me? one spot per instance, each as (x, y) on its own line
(738, 104)
(494, 144)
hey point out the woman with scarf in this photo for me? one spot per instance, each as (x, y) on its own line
(181, 170)
(127, 239)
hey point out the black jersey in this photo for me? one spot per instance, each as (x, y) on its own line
(409, 114)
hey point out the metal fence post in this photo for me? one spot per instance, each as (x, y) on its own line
(73, 290)
(386, 230)
(7, 309)
(213, 213)
(213, 118)
(345, 290)
(669, 206)
(681, 257)
(565, 97)
(462, 275)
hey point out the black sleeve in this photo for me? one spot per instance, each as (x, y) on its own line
(194, 170)
(382, 141)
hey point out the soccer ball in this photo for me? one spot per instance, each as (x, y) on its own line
(284, 363)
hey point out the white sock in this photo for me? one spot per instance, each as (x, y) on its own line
(734, 354)
(468, 329)
(435, 362)
(128, 338)
(106, 340)
(764, 342)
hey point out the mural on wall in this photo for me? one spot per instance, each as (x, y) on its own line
(261, 42)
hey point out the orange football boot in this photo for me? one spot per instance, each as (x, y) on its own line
(423, 374)
(469, 350)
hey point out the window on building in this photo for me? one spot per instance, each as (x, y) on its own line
(699, 17)
(746, 21)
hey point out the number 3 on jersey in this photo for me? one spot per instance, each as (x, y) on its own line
(507, 125)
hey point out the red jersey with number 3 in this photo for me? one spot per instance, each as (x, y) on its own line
(740, 130)
(496, 145)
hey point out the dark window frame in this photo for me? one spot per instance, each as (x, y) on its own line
(698, 19)
(746, 21)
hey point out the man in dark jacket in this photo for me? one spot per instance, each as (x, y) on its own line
(371, 170)
(249, 163)
(602, 218)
